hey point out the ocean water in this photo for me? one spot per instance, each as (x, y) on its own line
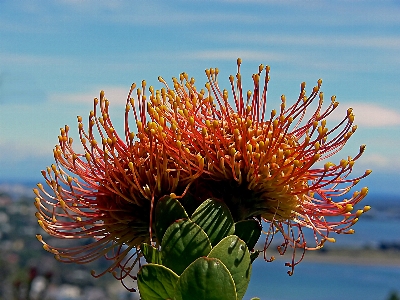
(368, 232)
(320, 281)
(328, 281)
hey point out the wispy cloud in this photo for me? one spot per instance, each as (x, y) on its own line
(115, 94)
(332, 13)
(149, 13)
(368, 115)
(141, 12)
(280, 2)
(8, 58)
(333, 40)
(232, 55)
(14, 150)
(379, 162)
(15, 27)
(90, 4)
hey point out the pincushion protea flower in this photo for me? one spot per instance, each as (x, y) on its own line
(265, 166)
(108, 192)
(194, 143)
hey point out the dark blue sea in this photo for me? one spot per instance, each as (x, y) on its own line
(318, 281)
(330, 281)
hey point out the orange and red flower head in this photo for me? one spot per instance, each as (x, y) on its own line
(203, 144)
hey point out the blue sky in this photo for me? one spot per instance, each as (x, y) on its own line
(55, 57)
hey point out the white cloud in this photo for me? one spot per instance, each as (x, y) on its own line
(89, 4)
(13, 150)
(336, 13)
(281, 2)
(31, 59)
(155, 13)
(115, 94)
(368, 115)
(232, 55)
(378, 42)
(126, 12)
(379, 162)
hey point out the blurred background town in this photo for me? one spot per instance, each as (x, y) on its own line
(29, 272)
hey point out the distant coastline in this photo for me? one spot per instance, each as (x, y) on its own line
(355, 256)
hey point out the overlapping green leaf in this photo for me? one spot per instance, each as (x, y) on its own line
(168, 210)
(206, 278)
(156, 282)
(234, 254)
(215, 219)
(249, 231)
(151, 254)
(183, 242)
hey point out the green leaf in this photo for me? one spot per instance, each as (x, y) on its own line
(249, 231)
(254, 255)
(183, 242)
(233, 253)
(168, 210)
(156, 282)
(206, 278)
(151, 254)
(215, 219)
